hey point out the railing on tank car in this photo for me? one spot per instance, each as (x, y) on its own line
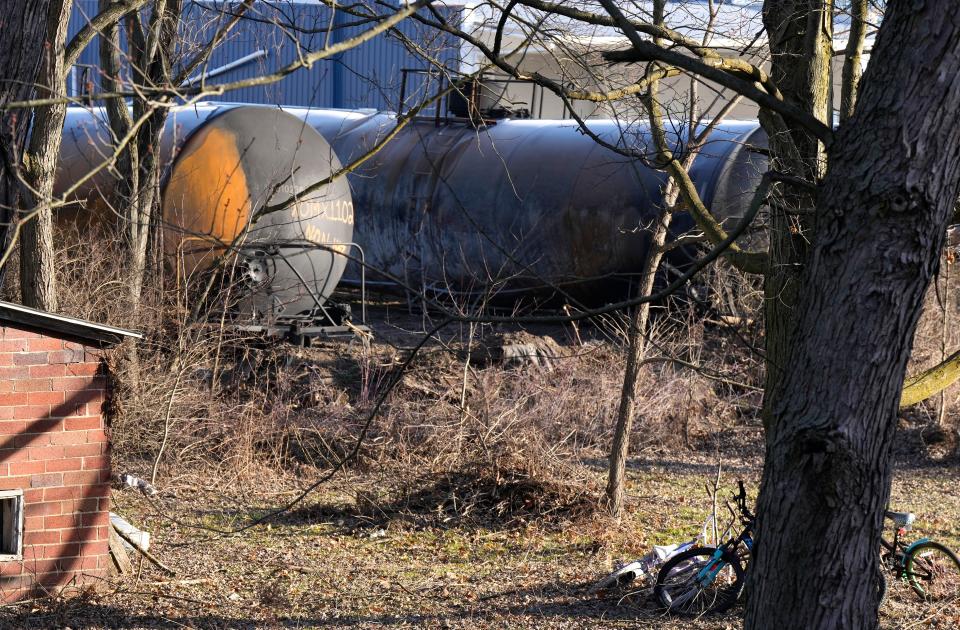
(464, 102)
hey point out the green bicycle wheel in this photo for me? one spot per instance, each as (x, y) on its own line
(694, 582)
(933, 572)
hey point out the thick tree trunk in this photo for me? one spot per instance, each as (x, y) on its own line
(882, 212)
(23, 24)
(800, 35)
(37, 275)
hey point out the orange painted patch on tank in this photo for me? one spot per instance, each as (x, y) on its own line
(206, 203)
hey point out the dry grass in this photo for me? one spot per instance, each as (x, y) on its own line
(325, 565)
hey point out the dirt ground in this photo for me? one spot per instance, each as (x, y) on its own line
(332, 563)
(419, 535)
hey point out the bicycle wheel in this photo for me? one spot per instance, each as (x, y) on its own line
(695, 582)
(881, 586)
(933, 572)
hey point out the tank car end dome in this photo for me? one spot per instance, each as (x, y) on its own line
(253, 179)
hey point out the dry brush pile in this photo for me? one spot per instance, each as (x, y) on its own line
(463, 432)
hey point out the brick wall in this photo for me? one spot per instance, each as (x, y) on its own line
(54, 447)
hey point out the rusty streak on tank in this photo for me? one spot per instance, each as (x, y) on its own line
(222, 166)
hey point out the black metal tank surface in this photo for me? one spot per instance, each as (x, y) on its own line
(510, 210)
(522, 208)
(225, 168)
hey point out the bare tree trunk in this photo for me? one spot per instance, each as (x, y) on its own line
(800, 36)
(853, 57)
(882, 210)
(151, 49)
(637, 330)
(636, 335)
(38, 286)
(23, 24)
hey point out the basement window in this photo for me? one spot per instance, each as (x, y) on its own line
(11, 525)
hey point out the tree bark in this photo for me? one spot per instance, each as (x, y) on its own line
(800, 35)
(853, 57)
(636, 335)
(38, 287)
(23, 25)
(882, 211)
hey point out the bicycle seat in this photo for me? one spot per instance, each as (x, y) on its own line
(901, 519)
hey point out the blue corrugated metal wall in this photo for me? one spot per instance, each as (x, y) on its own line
(366, 76)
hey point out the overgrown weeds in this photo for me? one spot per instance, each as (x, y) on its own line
(466, 432)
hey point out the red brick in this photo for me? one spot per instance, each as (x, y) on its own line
(42, 537)
(99, 462)
(14, 346)
(95, 519)
(83, 450)
(33, 412)
(87, 422)
(61, 493)
(33, 495)
(14, 373)
(42, 509)
(99, 490)
(43, 566)
(45, 343)
(97, 435)
(81, 477)
(34, 385)
(72, 383)
(13, 427)
(46, 453)
(83, 369)
(46, 398)
(64, 464)
(47, 371)
(10, 453)
(10, 572)
(62, 521)
(15, 483)
(10, 332)
(88, 563)
(47, 480)
(86, 504)
(65, 550)
(38, 432)
(27, 468)
(62, 356)
(67, 438)
(10, 400)
(6, 386)
(83, 396)
(33, 358)
(31, 523)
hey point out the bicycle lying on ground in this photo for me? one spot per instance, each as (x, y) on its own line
(931, 570)
(706, 580)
